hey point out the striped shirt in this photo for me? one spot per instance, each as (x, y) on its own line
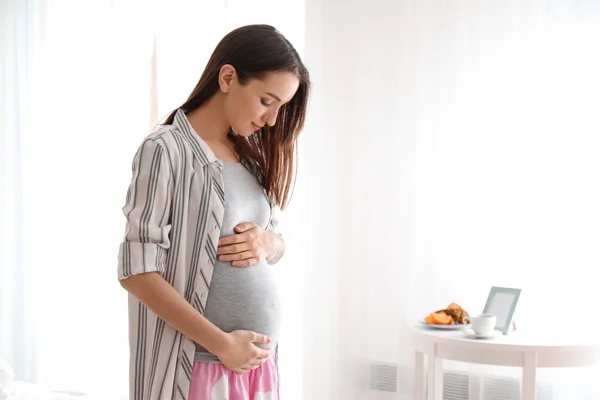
(174, 211)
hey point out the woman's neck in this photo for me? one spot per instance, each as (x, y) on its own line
(209, 120)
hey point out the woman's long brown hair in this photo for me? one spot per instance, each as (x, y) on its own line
(254, 51)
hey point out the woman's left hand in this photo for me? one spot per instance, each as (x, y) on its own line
(250, 245)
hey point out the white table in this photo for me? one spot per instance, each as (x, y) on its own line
(512, 350)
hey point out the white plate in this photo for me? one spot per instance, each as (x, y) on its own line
(471, 333)
(456, 327)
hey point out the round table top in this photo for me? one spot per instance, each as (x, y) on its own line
(513, 341)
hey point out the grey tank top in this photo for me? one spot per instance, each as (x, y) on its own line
(243, 298)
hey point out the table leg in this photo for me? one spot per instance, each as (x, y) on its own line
(419, 377)
(435, 375)
(529, 375)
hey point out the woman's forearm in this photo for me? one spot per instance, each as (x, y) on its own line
(163, 300)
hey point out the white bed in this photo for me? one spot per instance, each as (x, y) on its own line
(30, 391)
(11, 389)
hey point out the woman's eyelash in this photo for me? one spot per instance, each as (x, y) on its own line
(264, 103)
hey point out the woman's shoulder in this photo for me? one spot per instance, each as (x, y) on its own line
(165, 140)
(169, 138)
(163, 135)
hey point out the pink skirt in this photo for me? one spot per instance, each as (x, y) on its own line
(212, 381)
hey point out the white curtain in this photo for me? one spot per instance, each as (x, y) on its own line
(76, 90)
(452, 146)
(15, 327)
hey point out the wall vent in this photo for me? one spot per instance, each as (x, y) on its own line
(458, 385)
(382, 376)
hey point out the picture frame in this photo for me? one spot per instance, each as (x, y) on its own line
(502, 303)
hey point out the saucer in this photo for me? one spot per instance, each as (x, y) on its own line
(471, 333)
(456, 327)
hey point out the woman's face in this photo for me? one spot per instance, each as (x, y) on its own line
(249, 107)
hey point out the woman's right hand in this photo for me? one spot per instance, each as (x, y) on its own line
(241, 354)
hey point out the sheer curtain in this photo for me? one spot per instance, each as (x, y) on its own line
(15, 323)
(76, 102)
(452, 146)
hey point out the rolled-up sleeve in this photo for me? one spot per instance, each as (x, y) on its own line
(147, 213)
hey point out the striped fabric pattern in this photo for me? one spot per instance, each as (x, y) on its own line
(174, 210)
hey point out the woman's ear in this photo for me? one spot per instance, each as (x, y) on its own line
(227, 76)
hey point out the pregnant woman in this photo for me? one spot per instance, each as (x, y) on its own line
(201, 226)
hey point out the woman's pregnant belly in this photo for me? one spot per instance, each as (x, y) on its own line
(244, 298)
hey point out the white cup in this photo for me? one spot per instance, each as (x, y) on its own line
(482, 324)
